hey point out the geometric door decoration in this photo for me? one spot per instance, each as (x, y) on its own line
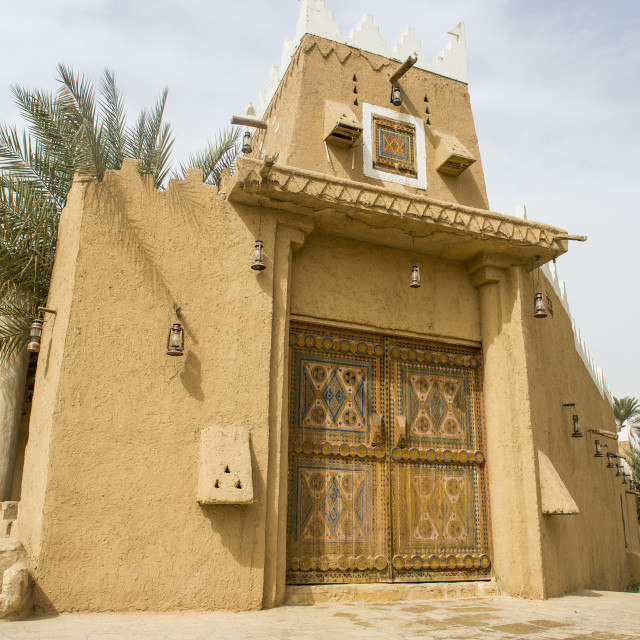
(386, 460)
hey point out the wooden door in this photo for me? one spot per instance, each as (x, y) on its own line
(385, 460)
(438, 489)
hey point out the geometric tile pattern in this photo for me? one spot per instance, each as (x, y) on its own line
(394, 146)
(364, 511)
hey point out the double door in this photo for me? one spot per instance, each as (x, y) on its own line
(386, 460)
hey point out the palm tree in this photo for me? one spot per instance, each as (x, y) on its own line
(627, 413)
(74, 131)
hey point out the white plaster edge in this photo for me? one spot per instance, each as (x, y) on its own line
(369, 110)
(597, 374)
(314, 18)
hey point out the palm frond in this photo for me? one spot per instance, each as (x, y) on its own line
(78, 102)
(135, 137)
(17, 311)
(29, 161)
(216, 156)
(28, 234)
(163, 158)
(114, 119)
(152, 140)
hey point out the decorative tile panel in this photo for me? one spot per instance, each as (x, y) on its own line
(394, 146)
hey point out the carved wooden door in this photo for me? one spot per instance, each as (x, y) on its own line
(385, 460)
(438, 489)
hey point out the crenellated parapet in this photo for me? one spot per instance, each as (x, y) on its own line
(317, 20)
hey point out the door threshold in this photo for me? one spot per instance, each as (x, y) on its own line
(308, 594)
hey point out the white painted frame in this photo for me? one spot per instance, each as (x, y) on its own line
(368, 111)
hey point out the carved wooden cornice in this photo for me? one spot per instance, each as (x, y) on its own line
(388, 208)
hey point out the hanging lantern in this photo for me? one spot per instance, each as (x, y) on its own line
(35, 334)
(538, 300)
(258, 263)
(415, 277)
(609, 462)
(618, 467)
(246, 143)
(415, 269)
(396, 96)
(576, 428)
(540, 311)
(624, 477)
(175, 340)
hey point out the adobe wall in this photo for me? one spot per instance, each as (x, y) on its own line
(586, 550)
(109, 515)
(366, 285)
(323, 70)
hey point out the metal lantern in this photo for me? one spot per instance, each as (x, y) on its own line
(35, 335)
(396, 96)
(598, 453)
(540, 311)
(258, 263)
(609, 462)
(618, 467)
(624, 477)
(175, 340)
(246, 142)
(576, 428)
(415, 277)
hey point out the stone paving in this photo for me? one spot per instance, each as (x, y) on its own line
(588, 615)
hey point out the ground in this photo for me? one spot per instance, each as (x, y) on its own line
(588, 615)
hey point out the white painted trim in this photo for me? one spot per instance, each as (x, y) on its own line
(369, 110)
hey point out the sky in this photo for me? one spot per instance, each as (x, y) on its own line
(553, 84)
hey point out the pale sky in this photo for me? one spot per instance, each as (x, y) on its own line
(553, 84)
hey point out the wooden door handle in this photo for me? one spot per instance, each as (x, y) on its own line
(375, 426)
(401, 432)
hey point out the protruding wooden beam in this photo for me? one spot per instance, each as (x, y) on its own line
(404, 67)
(248, 122)
(568, 236)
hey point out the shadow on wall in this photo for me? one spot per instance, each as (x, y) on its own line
(191, 376)
(41, 603)
(236, 524)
